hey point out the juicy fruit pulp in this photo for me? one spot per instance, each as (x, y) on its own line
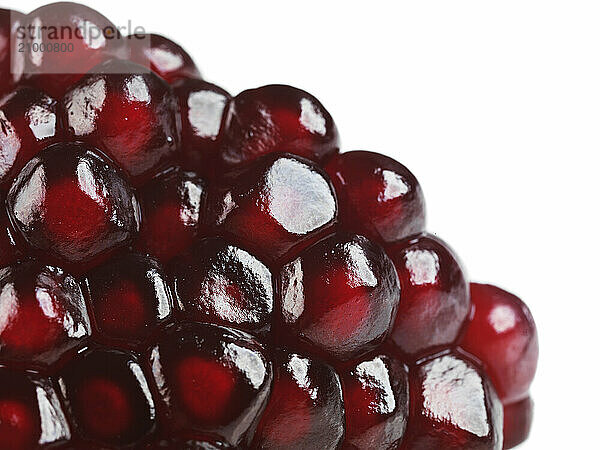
(185, 269)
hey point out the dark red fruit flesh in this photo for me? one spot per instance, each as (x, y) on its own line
(129, 299)
(276, 203)
(108, 398)
(376, 395)
(10, 70)
(128, 113)
(501, 333)
(277, 118)
(435, 297)
(173, 205)
(163, 56)
(28, 122)
(72, 203)
(210, 379)
(85, 38)
(201, 105)
(338, 298)
(453, 406)
(518, 418)
(305, 406)
(378, 197)
(220, 283)
(30, 413)
(43, 315)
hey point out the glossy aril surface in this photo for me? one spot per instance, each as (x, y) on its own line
(218, 282)
(28, 122)
(128, 113)
(84, 37)
(276, 203)
(378, 197)
(129, 298)
(201, 105)
(339, 297)
(518, 418)
(163, 56)
(305, 406)
(435, 297)
(173, 205)
(73, 204)
(43, 315)
(210, 379)
(108, 398)
(30, 412)
(8, 249)
(376, 399)
(453, 406)
(501, 333)
(277, 118)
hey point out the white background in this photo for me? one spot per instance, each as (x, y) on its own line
(495, 106)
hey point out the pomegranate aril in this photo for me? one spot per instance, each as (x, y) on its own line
(129, 299)
(452, 406)
(29, 122)
(277, 118)
(108, 398)
(43, 315)
(378, 197)
(71, 203)
(10, 70)
(201, 105)
(305, 408)
(435, 296)
(376, 395)
(8, 249)
(338, 298)
(173, 208)
(501, 333)
(217, 282)
(210, 379)
(276, 203)
(163, 56)
(188, 444)
(518, 418)
(128, 113)
(30, 412)
(88, 37)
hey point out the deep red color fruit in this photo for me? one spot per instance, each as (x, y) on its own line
(276, 203)
(376, 395)
(201, 105)
(339, 297)
(378, 197)
(128, 113)
(210, 379)
(503, 336)
(129, 298)
(163, 56)
(72, 203)
(453, 407)
(173, 205)
(30, 412)
(28, 122)
(305, 407)
(108, 398)
(277, 118)
(10, 71)
(8, 249)
(518, 418)
(187, 444)
(42, 315)
(83, 37)
(435, 297)
(217, 282)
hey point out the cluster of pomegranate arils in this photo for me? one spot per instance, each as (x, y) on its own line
(183, 269)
